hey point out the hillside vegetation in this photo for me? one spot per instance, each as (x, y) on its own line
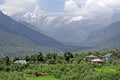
(14, 45)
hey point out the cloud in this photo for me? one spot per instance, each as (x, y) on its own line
(91, 7)
(71, 5)
(19, 5)
(87, 8)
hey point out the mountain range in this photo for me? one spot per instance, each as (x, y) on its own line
(67, 29)
(55, 33)
(18, 37)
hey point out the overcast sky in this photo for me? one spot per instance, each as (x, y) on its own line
(64, 7)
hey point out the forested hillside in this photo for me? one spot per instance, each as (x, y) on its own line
(14, 45)
(17, 39)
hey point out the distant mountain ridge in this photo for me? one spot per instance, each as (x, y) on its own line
(106, 37)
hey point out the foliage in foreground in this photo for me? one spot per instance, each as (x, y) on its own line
(11, 76)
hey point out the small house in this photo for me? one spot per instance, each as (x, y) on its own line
(20, 62)
(110, 56)
(90, 57)
(97, 60)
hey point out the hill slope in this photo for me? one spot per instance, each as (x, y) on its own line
(18, 39)
(22, 30)
(106, 37)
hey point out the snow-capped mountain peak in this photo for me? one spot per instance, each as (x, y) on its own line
(38, 12)
(76, 18)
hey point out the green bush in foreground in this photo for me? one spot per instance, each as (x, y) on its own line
(11, 76)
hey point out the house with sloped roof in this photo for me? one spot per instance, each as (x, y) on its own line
(90, 57)
(20, 62)
(109, 56)
(97, 60)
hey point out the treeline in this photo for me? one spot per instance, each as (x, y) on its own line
(39, 58)
(50, 58)
(56, 58)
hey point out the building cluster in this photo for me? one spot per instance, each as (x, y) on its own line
(101, 59)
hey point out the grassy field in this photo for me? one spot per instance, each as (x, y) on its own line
(107, 69)
(42, 78)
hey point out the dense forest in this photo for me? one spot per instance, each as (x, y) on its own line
(66, 66)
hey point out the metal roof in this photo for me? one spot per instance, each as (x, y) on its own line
(97, 60)
(91, 56)
(108, 55)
